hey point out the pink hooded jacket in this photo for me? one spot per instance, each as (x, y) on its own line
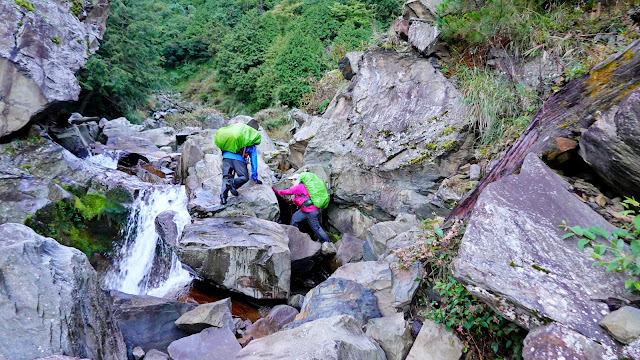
(300, 190)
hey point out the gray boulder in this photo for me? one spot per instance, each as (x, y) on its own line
(40, 50)
(423, 36)
(214, 121)
(349, 249)
(348, 65)
(349, 221)
(555, 341)
(393, 335)
(435, 342)
(277, 318)
(420, 9)
(51, 301)
(333, 338)
(612, 145)
(513, 258)
(201, 166)
(217, 314)
(338, 297)
(623, 324)
(300, 140)
(154, 354)
(304, 251)
(211, 343)
(147, 321)
(243, 254)
(388, 153)
(164, 136)
(381, 233)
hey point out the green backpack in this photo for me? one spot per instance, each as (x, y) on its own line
(316, 188)
(234, 137)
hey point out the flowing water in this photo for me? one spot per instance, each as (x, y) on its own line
(108, 158)
(134, 273)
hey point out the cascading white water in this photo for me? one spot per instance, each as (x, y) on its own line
(108, 158)
(132, 273)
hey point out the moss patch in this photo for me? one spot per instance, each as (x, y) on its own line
(25, 4)
(90, 223)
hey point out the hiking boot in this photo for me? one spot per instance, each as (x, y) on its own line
(233, 190)
(223, 199)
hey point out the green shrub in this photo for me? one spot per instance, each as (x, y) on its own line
(623, 244)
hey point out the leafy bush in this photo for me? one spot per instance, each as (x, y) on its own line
(623, 244)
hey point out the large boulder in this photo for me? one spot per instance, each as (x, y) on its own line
(305, 253)
(349, 221)
(277, 318)
(381, 233)
(423, 36)
(435, 342)
(201, 169)
(393, 335)
(513, 257)
(612, 145)
(211, 343)
(243, 254)
(217, 314)
(391, 136)
(333, 338)
(349, 249)
(42, 45)
(338, 297)
(51, 301)
(555, 341)
(147, 321)
(164, 136)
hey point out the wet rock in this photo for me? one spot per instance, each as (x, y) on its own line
(38, 71)
(147, 321)
(555, 341)
(217, 314)
(349, 250)
(154, 354)
(379, 234)
(623, 324)
(423, 36)
(513, 258)
(338, 297)
(388, 154)
(392, 334)
(348, 65)
(201, 166)
(333, 338)
(47, 288)
(243, 254)
(435, 342)
(304, 251)
(277, 318)
(167, 228)
(349, 221)
(612, 145)
(211, 343)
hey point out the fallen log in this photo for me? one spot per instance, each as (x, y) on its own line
(575, 107)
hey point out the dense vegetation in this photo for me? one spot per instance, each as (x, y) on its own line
(237, 55)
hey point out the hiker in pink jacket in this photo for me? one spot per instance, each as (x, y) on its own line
(307, 210)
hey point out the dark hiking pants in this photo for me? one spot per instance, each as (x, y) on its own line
(229, 166)
(313, 218)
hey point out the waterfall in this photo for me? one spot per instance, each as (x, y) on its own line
(108, 158)
(134, 272)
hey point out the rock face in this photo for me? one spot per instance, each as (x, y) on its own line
(334, 338)
(338, 297)
(201, 169)
(243, 254)
(211, 343)
(40, 50)
(217, 314)
(513, 258)
(349, 221)
(435, 342)
(555, 341)
(34, 173)
(612, 145)
(147, 321)
(51, 301)
(388, 139)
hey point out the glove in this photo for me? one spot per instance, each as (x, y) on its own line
(258, 182)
